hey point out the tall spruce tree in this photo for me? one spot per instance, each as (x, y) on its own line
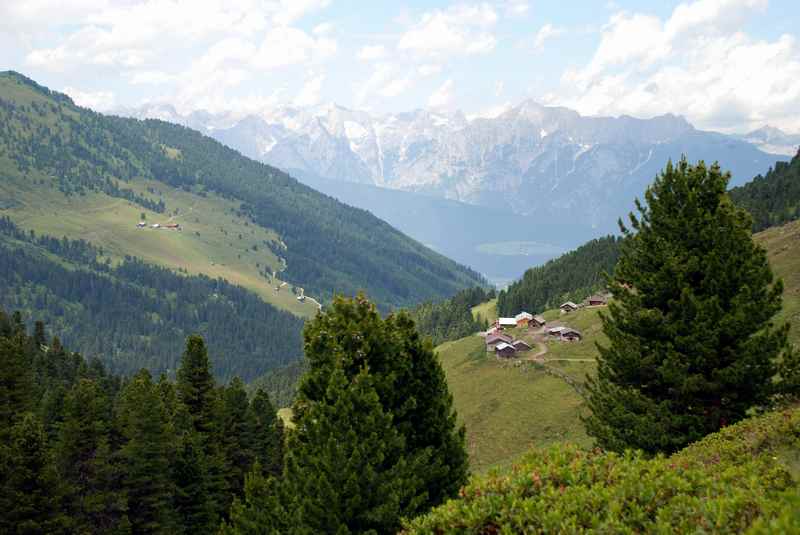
(346, 470)
(198, 395)
(692, 344)
(407, 377)
(94, 497)
(30, 492)
(193, 500)
(146, 455)
(266, 430)
(196, 386)
(237, 438)
(16, 381)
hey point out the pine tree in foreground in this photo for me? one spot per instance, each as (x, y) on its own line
(200, 402)
(266, 430)
(692, 346)
(407, 377)
(94, 498)
(30, 492)
(146, 456)
(345, 468)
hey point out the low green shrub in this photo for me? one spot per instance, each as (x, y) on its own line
(737, 479)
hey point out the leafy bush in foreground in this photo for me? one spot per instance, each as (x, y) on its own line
(730, 481)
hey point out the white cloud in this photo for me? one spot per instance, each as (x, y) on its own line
(694, 63)
(429, 69)
(96, 100)
(137, 33)
(310, 94)
(151, 78)
(372, 52)
(443, 96)
(517, 7)
(322, 29)
(379, 77)
(545, 33)
(289, 11)
(463, 29)
(499, 87)
(396, 87)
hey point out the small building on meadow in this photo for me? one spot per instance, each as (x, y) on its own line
(597, 300)
(565, 334)
(556, 330)
(568, 307)
(493, 340)
(506, 322)
(523, 318)
(504, 350)
(537, 321)
(521, 345)
(571, 335)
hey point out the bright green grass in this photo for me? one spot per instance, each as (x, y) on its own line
(214, 241)
(783, 250)
(507, 409)
(487, 310)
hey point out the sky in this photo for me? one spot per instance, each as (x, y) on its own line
(726, 65)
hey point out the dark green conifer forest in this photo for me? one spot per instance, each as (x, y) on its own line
(136, 315)
(86, 451)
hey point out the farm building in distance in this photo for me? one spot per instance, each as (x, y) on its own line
(537, 321)
(523, 318)
(569, 306)
(597, 300)
(505, 350)
(493, 340)
(567, 334)
(521, 345)
(507, 322)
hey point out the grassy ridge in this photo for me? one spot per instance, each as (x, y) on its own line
(209, 244)
(507, 409)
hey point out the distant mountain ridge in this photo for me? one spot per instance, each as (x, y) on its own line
(49, 145)
(773, 140)
(531, 159)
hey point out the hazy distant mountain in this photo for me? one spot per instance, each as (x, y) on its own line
(773, 140)
(549, 165)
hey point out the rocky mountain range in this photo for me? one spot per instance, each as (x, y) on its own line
(549, 165)
(773, 140)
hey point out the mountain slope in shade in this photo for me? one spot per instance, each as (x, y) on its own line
(49, 144)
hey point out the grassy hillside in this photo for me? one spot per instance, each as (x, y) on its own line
(745, 477)
(61, 163)
(509, 406)
(133, 315)
(216, 239)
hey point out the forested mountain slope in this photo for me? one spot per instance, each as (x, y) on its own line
(573, 276)
(135, 315)
(48, 144)
(772, 199)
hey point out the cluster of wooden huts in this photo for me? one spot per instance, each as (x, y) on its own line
(596, 300)
(503, 344)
